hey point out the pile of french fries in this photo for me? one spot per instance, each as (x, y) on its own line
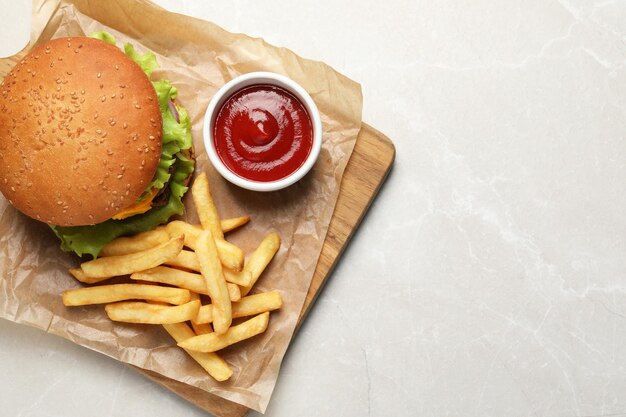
(166, 282)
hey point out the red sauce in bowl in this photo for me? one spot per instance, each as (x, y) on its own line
(263, 133)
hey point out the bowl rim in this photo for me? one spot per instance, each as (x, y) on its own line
(246, 80)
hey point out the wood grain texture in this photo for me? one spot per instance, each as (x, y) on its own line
(366, 171)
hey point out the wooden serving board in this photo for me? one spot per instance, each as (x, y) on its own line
(366, 171)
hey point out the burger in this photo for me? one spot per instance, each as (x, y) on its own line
(89, 144)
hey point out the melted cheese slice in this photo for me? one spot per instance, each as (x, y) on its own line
(137, 208)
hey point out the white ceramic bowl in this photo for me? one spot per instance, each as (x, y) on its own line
(247, 80)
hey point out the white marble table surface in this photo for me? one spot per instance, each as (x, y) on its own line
(489, 277)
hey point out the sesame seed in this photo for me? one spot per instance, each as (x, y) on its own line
(99, 75)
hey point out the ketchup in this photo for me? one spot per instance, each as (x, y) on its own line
(263, 133)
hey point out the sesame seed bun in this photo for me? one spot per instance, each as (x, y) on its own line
(80, 132)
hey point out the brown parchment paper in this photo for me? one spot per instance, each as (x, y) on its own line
(198, 57)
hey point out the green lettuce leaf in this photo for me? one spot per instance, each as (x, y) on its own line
(176, 136)
(91, 239)
(104, 36)
(147, 61)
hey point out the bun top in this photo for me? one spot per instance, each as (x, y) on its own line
(80, 132)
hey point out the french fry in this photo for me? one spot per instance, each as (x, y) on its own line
(260, 258)
(200, 328)
(189, 260)
(207, 212)
(140, 312)
(211, 362)
(136, 243)
(118, 292)
(230, 255)
(192, 282)
(80, 276)
(133, 262)
(190, 231)
(179, 227)
(247, 306)
(234, 223)
(241, 278)
(234, 292)
(185, 259)
(213, 341)
(211, 270)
